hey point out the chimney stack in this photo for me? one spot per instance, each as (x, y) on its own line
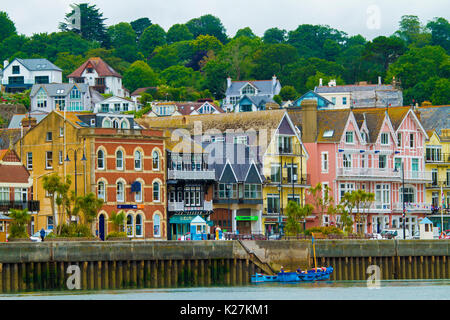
(379, 81)
(309, 120)
(228, 82)
(320, 82)
(5, 64)
(28, 122)
(274, 81)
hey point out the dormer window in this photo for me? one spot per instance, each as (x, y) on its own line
(248, 90)
(364, 136)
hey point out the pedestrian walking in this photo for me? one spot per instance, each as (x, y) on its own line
(42, 234)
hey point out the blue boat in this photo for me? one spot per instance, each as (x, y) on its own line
(311, 275)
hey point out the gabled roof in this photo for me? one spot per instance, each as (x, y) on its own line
(12, 173)
(264, 87)
(103, 69)
(186, 108)
(308, 94)
(256, 100)
(435, 117)
(37, 64)
(58, 89)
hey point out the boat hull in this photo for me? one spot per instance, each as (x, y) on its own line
(312, 275)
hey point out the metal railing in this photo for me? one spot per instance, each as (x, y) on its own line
(31, 206)
(365, 173)
(181, 206)
(437, 158)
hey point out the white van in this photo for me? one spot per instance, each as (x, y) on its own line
(393, 234)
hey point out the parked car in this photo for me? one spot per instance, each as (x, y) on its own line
(36, 237)
(275, 236)
(393, 234)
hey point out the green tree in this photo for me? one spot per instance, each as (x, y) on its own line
(151, 38)
(413, 32)
(68, 62)
(92, 26)
(140, 25)
(296, 215)
(314, 81)
(123, 40)
(118, 221)
(385, 50)
(164, 57)
(7, 27)
(216, 73)
(274, 36)
(271, 59)
(288, 93)
(322, 201)
(178, 32)
(52, 184)
(245, 32)
(18, 227)
(440, 33)
(206, 43)
(139, 75)
(89, 206)
(179, 76)
(11, 45)
(207, 25)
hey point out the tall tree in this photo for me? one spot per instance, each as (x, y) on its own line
(385, 50)
(177, 33)
(274, 36)
(245, 32)
(440, 33)
(140, 25)
(123, 40)
(152, 37)
(92, 24)
(207, 25)
(7, 27)
(139, 75)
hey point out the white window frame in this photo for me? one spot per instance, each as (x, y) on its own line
(120, 160)
(158, 192)
(324, 158)
(101, 194)
(47, 159)
(138, 160)
(384, 139)
(120, 193)
(29, 160)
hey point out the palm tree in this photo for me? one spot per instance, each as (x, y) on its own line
(118, 220)
(19, 223)
(89, 205)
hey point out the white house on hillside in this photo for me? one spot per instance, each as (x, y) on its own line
(68, 96)
(98, 74)
(22, 74)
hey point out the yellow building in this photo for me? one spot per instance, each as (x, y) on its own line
(284, 167)
(43, 151)
(437, 160)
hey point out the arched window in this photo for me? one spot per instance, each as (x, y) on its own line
(100, 159)
(138, 225)
(101, 191)
(156, 192)
(156, 226)
(120, 192)
(138, 194)
(137, 160)
(41, 98)
(155, 160)
(119, 160)
(129, 225)
(125, 124)
(116, 124)
(106, 123)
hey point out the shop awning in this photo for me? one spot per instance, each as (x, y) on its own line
(181, 219)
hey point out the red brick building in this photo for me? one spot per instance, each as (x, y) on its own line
(130, 177)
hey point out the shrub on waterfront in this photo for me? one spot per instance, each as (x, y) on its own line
(72, 231)
(18, 227)
(116, 235)
(323, 230)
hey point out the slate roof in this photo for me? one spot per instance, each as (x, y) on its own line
(353, 88)
(186, 108)
(103, 69)
(263, 86)
(53, 89)
(38, 64)
(435, 118)
(17, 119)
(256, 100)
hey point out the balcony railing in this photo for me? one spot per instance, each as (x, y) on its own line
(367, 173)
(288, 150)
(412, 207)
(425, 176)
(191, 172)
(304, 180)
(181, 206)
(438, 184)
(31, 206)
(438, 158)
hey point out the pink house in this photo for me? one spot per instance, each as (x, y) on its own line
(364, 149)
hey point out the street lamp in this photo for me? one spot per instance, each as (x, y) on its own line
(228, 186)
(75, 159)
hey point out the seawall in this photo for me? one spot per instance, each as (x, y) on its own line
(160, 264)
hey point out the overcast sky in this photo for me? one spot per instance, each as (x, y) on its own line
(369, 18)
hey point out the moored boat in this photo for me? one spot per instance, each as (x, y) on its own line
(316, 274)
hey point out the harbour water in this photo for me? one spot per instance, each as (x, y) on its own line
(330, 290)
